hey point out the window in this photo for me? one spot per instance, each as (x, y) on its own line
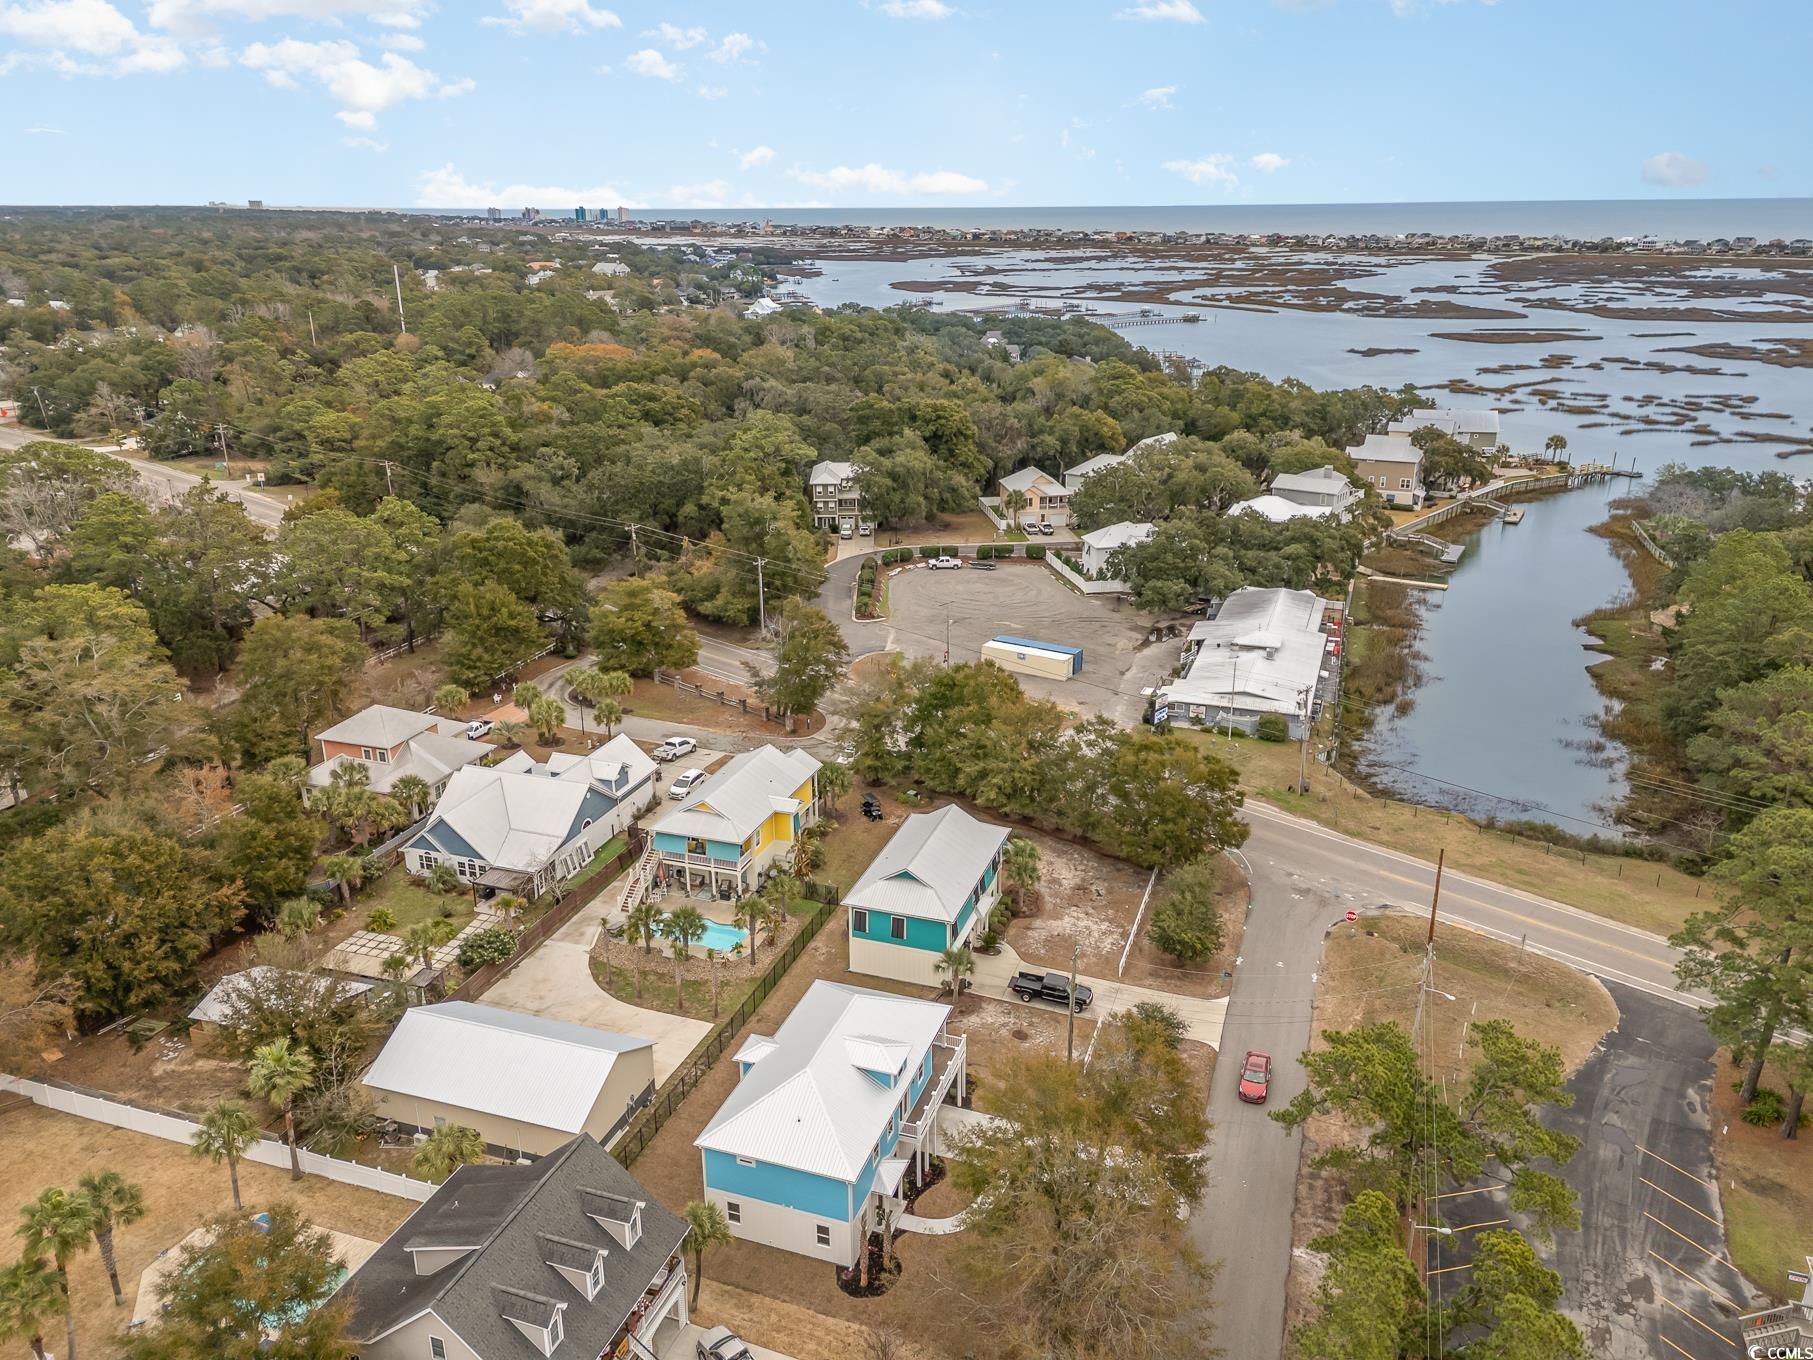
(745, 1161)
(733, 1211)
(859, 921)
(595, 1278)
(586, 824)
(824, 1234)
(365, 753)
(896, 927)
(1403, 484)
(428, 860)
(556, 1333)
(437, 1348)
(381, 756)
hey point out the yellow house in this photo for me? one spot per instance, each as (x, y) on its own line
(739, 821)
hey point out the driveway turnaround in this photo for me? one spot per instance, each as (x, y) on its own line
(1648, 1274)
(556, 981)
(1202, 1017)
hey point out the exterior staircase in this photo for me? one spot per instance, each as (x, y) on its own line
(641, 875)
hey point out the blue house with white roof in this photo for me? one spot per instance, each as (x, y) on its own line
(931, 888)
(809, 1151)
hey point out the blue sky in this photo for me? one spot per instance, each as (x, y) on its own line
(468, 103)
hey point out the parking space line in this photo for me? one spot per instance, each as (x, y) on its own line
(1484, 1223)
(1694, 1279)
(1676, 1349)
(1683, 1203)
(1665, 1162)
(1696, 1322)
(1688, 1240)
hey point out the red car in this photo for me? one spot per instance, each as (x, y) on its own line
(1255, 1077)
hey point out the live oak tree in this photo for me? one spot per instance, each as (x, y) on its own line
(246, 1280)
(1756, 957)
(1758, 742)
(809, 657)
(638, 626)
(491, 633)
(124, 915)
(335, 564)
(1185, 921)
(46, 487)
(298, 673)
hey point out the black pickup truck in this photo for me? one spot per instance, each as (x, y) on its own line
(1050, 987)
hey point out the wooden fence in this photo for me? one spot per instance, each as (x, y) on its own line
(691, 1072)
(719, 696)
(1655, 549)
(565, 908)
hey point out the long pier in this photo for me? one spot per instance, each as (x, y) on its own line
(1503, 489)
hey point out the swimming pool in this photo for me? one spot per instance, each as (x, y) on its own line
(723, 938)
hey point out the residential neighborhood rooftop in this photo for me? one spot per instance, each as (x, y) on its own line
(750, 788)
(929, 866)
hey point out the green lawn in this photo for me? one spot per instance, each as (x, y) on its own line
(606, 853)
(410, 902)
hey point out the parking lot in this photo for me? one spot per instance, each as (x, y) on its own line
(1026, 600)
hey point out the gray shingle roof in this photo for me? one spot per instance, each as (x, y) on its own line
(506, 1212)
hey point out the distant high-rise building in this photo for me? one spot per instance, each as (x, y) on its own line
(254, 203)
(495, 214)
(579, 214)
(530, 214)
(623, 213)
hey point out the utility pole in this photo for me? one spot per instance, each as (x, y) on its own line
(635, 553)
(761, 594)
(312, 341)
(1303, 761)
(389, 486)
(1070, 1034)
(45, 415)
(396, 277)
(947, 639)
(1422, 983)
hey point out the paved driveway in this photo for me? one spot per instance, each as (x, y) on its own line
(1202, 1017)
(681, 1343)
(556, 981)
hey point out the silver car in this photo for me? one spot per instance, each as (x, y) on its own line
(720, 1343)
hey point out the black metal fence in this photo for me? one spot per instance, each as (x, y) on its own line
(691, 1072)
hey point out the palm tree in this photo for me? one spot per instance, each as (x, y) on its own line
(526, 693)
(609, 713)
(508, 905)
(510, 731)
(711, 960)
(298, 916)
(424, 937)
(955, 966)
(1014, 502)
(28, 1295)
(684, 925)
(833, 779)
(226, 1130)
(1555, 445)
(62, 1224)
(778, 895)
(450, 696)
(412, 791)
(278, 1072)
(441, 878)
(706, 1228)
(751, 910)
(644, 924)
(117, 1203)
(444, 1151)
(1020, 868)
(546, 714)
(288, 771)
(350, 871)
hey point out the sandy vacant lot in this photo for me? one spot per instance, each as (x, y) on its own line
(40, 1148)
(1026, 600)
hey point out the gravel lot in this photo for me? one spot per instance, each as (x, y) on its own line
(1027, 600)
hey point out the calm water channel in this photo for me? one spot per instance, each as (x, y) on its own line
(1505, 718)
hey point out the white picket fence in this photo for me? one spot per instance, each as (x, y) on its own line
(1081, 582)
(176, 1129)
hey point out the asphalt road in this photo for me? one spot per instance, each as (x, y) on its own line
(1304, 879)
(167, 483)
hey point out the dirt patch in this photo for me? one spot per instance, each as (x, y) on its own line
(997, 1033)
(781, 1326)
(40, 1148)
(737, 711)
(165, 1071)
(1084, 900)
(1150, 966)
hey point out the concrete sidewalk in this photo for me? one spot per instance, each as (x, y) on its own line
(556, 981)
(1203, 1017)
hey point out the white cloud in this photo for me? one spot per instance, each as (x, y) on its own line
(713, 193)
(917, 9)
(1674, 170)
(363, 89)
(877, 179)
(552, 16)
(194, 16)
(1217, 170)
(367, 144)
(1176, 11)
(652, 64)
(42, 131)
(759, 155)
(453, 89)
(712, 91)
(676, 37)
(1268, 162)
(448, 188)
(734, 47)
(1158, 97)
(72, 34)
(401, 42)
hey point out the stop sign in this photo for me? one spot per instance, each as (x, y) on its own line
(1352, 916)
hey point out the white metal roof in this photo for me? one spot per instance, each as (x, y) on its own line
(1455, 419)
(1259, 652)
(1277, 509)
(1386, 448)
(1154, 441)
(1320, 481)
(512, 818)
(1027, 478)
(830, 473)
(1100, 463)
(213, 1008)
(1112, 536)
(522, 1067)
(929, 865)
(382, 725)
(805, 1103)
(750, 788)
(616, 765)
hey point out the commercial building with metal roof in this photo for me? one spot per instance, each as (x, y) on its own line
(1261, 653)
(526, 1083)
(831, 1117)
(931, 888)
